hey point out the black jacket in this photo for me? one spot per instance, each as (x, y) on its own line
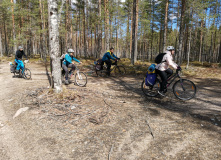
(19, 54)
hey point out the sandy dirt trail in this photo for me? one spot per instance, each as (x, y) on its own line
(110, 118)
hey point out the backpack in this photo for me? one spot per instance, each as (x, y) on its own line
(150, 79)
(98, 64)
(62, 58)
(159, 58)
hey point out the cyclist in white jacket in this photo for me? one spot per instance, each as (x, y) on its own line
(163, 68)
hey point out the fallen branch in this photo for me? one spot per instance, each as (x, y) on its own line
(150, 129)
(109, 154)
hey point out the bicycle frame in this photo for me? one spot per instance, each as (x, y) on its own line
(77, 72)
(172, 78)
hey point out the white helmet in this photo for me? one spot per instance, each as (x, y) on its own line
(70, 51)
(169, 48)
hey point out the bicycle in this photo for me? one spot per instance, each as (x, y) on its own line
(183, 89)
(25, 73)
(80, 77)
(118, 70)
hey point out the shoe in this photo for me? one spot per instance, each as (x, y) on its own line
(66, 82)
(161, 93)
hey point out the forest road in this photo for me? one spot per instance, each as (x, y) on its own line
(109, 118)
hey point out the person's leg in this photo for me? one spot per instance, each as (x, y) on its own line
(18, 64)
(163, 77)
(22, 66)
(169, 72)
(66, 71)
(108, 62)
(72, 66)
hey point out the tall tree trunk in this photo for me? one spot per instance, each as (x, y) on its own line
(153, 12)
(13, 28)
(134, 32)
(165, 25)
(177, 31)
(1, 50)
(99, 45)
(54, 44)
(43, 35)
(84, 30)
(181, 32)
(128, 36)
(131, 33)
(107, 32)
(189, 40)
(6, 39)
(201, 41)
(161, 26)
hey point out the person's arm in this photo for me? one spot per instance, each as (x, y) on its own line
(110, 57)
(67, 58)
(171, 62)
(25, 54)
(16, 55)
(75, 59)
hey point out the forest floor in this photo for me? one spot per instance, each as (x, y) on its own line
(109, 119)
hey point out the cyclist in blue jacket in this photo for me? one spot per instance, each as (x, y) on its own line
(18, 59)
(67, 63)
(107, 59)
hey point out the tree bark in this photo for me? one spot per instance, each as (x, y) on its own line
(107, 31)
(13, 28)
(165, 25)
(181, 32)
(54, 44)
(201, 40)
(1, 50)
(134, 32)
(189, 40)
(84, 30)
(99, 37)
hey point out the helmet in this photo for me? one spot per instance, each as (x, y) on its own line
(169, 48)
(70, 51)
(20, 47)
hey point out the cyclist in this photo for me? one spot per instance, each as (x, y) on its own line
(67, 63)
(18, 59)
(163, 68)
(107, 59)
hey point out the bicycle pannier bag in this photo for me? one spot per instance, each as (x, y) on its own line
(98, 65)
(150, 78)
(12, 68)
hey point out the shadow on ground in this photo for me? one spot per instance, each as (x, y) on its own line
(206, 106)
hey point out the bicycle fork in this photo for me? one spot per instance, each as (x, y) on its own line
(79, 76)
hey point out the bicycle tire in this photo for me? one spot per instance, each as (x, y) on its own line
(27, 74)
(119, 70)
(150, 91)
(81, 79)
(185, 90)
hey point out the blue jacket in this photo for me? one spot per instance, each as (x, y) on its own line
(68, 59)
(108, 56)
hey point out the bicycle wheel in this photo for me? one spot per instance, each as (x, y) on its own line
(151, 91)
(184, 90)
(27, 74)
(102, 72)
(119, 70)
(81, 79)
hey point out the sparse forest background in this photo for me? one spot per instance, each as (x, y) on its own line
(137, 29)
